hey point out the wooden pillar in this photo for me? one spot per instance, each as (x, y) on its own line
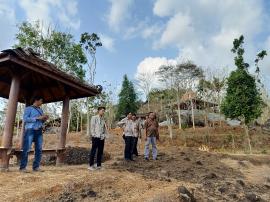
(63, 132)
(10, 120)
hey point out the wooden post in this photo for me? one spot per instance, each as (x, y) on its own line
(63, 132)
(10, 120)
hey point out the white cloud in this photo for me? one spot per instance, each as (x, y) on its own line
(107, 42)
(8, 24)
(150, 65)
(119, 12)
(135, 30)
(52, 12)
(203, 30)
(144, 29)
(151, 31)
(178, 31)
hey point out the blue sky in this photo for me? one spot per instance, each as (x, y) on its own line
(140, 35)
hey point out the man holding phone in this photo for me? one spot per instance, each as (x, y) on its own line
(33, 118)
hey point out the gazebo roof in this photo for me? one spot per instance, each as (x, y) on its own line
(39, 77)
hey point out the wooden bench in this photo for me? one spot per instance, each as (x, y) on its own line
(17, 152)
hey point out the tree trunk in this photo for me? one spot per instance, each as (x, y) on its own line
(148, 104)
(81, 122)
(219, 111)
(248, 138)
(21, 136)
(179, 111)
(18, 122)
(205, 115)
(88, 119)
(233, 143)
(78, 121)
(192, 114)
(169, 126)
(69, 117)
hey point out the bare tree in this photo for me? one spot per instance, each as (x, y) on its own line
(182, 78)
(90, 42)
(145, 84)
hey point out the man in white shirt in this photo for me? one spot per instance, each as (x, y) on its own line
(98, 133)
(127, 125)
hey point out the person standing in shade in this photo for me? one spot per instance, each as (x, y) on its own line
(136, 128)
(33, 118)
(98, 134)
(128, 128)
(151, 136)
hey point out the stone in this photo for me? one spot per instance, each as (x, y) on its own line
(199, 163)
(253, 197)
(187, 159)
(185, 195)
(88, 193)
(211, 176)
(241, 182)
(222, 189)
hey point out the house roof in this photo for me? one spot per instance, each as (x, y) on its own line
(40, 77)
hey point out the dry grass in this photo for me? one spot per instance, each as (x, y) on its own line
(115, 184)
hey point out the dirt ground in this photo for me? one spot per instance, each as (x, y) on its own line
(207, 175)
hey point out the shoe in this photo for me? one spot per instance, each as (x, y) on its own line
(38, 170)
(100, 168)
(155, 159)
(92, 168)
(131, 159)
(24, 170)
(147, 159)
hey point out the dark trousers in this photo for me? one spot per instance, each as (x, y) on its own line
(30, 136)
(129, 142)
(135, 150)
(97, 144)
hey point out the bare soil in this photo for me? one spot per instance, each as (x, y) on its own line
(207, 175)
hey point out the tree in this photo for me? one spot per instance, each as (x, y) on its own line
(127, 99)
(166, 74)
(56, 47)
(180, 77)
(217, 86)
(211, 90)
(3, 106)
(187, 75)
(145, 81)
(90, 42)
(204, 90)
(161, 97)
(243, 100)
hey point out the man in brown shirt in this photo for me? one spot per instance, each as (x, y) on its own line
(151, 136)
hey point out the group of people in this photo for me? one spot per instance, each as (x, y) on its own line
(132, 126)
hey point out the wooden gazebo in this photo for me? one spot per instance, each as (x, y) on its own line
(22, 75)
